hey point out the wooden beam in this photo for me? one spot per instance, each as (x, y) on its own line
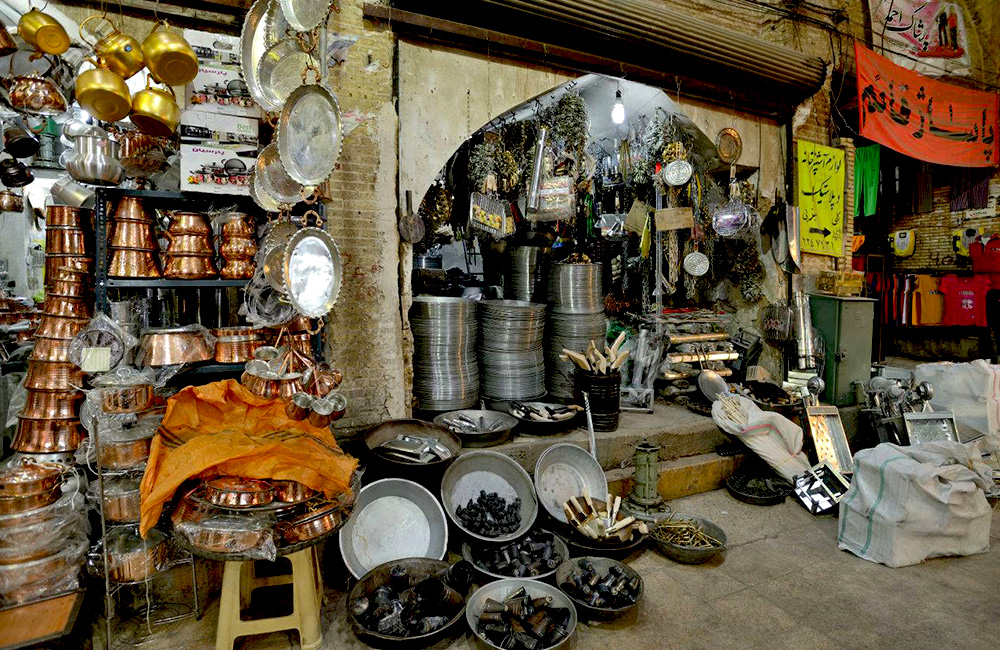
(224, 16)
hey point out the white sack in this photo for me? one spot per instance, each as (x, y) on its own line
(771, 435)
(907, 504)
(972, 392)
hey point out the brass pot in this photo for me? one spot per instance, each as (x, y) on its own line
(11, 202)
(67, 307)
(48, 436)
(137, 235)
(237, 248)
(237, 269)
(237, 492)
(121, 53)
(133, 263)
(238, 225)
(188, 267)
(188, 223)
(60, 327)
(130, 208)
(104, 94)
(69, 215)
(199, 245)
(169, 57)
(155, 111)
(41, 405)
(228, 534)
(53, 375)
(47, 349)
(43, 32)
(126, 399)
(29, 479)
(236, 349)
(172, 346)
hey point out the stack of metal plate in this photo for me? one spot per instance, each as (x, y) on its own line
(525, 279)
(576, 316)
(511, 333)
(445, 369)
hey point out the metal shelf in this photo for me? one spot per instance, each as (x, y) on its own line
(166, 283)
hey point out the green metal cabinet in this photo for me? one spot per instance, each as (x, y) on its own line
(847, 326)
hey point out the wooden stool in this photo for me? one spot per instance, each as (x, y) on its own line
(239, 582)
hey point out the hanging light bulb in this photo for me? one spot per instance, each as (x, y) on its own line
(618, 110)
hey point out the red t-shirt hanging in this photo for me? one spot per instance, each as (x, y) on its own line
(965, 300)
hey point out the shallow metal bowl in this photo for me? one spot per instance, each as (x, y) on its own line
(564, 471)
(499, 426)
(468, 553)
(501, 588)
(602, 565)
(687, 554)
(492, 472)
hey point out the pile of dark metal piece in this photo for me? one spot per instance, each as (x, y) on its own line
(612, 590)
(523, 623)
(530, 556)
(490, 515)
(399, 609)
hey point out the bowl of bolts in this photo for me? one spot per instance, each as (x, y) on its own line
(601, 588)
(688, 539)
(537, 555)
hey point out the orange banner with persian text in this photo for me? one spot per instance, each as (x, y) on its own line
(925, 119)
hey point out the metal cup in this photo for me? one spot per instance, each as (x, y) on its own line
(299, 406)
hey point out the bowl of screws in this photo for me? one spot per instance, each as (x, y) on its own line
(537, 555)
(688, 539)
(601, 588)
(521, 614)
(489, 496)
(415, 601)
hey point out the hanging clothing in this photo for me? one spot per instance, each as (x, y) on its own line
(970, 189)
(965, 299)
(923, 187)
(928, 302)
(866, 171)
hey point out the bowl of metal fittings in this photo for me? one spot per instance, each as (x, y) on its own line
(478, 428)
(521, 614)
(688, 539)
(537, 555)
(544, 419)
(411, 449)
(601, 588)
(489, 496)
(412, 601)
(602, 527)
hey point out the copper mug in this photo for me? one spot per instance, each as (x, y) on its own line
(188, 267)
(237, 269)
(137, 235)
(133, 263)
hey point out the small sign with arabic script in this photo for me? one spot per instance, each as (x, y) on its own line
(820, 176)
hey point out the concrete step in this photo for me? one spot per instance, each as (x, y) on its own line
(681, 477)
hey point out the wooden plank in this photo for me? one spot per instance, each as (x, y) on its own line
(39, 621)
(674, 218)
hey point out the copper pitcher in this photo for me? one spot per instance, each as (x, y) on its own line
(188, 267)
(185, 244)
(133, 263)
(130, 208)
(237, 224)
(137, 235)
(188, 223)
(237, 248)
(237, 269)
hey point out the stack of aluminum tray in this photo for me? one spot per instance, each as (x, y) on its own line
(511, 333)
(445, 369)
(576, 316)
(526, 274)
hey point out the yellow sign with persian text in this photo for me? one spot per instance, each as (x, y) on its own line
(820, 173)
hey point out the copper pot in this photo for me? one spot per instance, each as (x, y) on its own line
(133, 559)
(60, 327)
(292, 492)
(236, 349)
(125, 454)
(130, 208)
(188, 267)
(237, 248)
(142, 154)
(126, 399)
(172, 346)
(299, 406)
(189, 223)
(69, 215)
(121, 499)
(66, 240)
(227, 534)
(137, 235)
(47, 349)
(263, 384)
(238, 225)
(32, 501)
(237, 269)
(238, 330)
(68, 307)
(297, 324)
(68, 289)
(132, 263)
(301, 342)
(29, 479)
(311, 525)
(289, 384)
(56, 261)
(324, 379)
(51, 405)
(53, 376)
(188, 510)
(185, 244)
(70, 274)
(237, 492)
(7, 44)
(321, 413)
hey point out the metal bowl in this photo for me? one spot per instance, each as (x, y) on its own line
(426, 473)
(492, 472)
(564, 471)
(493, 427)
(536, 428)
(393, 519)
(602, 565)
(418, 569)
(687, 554)
(468, 553)
(501, 588)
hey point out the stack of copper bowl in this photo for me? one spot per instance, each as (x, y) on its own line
(131, 242)
(189, 254)
(237, 344)
(50, 421)
(238, 247)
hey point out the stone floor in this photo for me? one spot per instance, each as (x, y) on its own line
(782, 584)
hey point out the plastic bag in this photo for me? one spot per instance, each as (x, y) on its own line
(243, 535)
(13, 576)
(972, 392)
(102, 345)
(770, 435)
(58, 583)
(55, 531)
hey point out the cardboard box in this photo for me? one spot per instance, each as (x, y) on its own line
(217, 168)
(202, 127)
(220, 89)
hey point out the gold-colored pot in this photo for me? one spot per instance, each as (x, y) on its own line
(48, 436)
(53, 376)
(67, 307)
(118, 51)
(155, 111)
(237, 269)
(104, 94)
(132, 263)
(68, 215)
(169, 57)
(66, 240)
(52, 405)
(43, 32)
(188, 267)
(188, 244)
(137, 235)
(60, 327)
(47, 349)
(189, 223)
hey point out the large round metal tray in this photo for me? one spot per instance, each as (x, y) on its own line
(393, 519)
(279, 72)
(501, 588)
(302, 282)
(564, 471)
(260, 197)
(304, 15)
(310, 134)
(263, 24)
(491, 472)
(271, 179)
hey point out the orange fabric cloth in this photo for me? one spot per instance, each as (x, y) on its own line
(221, 428)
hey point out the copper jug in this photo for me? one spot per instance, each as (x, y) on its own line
(188, 223)
(237, 248)
(130, 208)
(133, 234)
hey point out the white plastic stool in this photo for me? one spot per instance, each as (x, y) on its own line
(239, 582)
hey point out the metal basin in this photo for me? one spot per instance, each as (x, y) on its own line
(498, 426)
(427, 474)
(687, 554)
(563, 471)
(501, 588)
(492, 472)
(602, 565)
(469, 552)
